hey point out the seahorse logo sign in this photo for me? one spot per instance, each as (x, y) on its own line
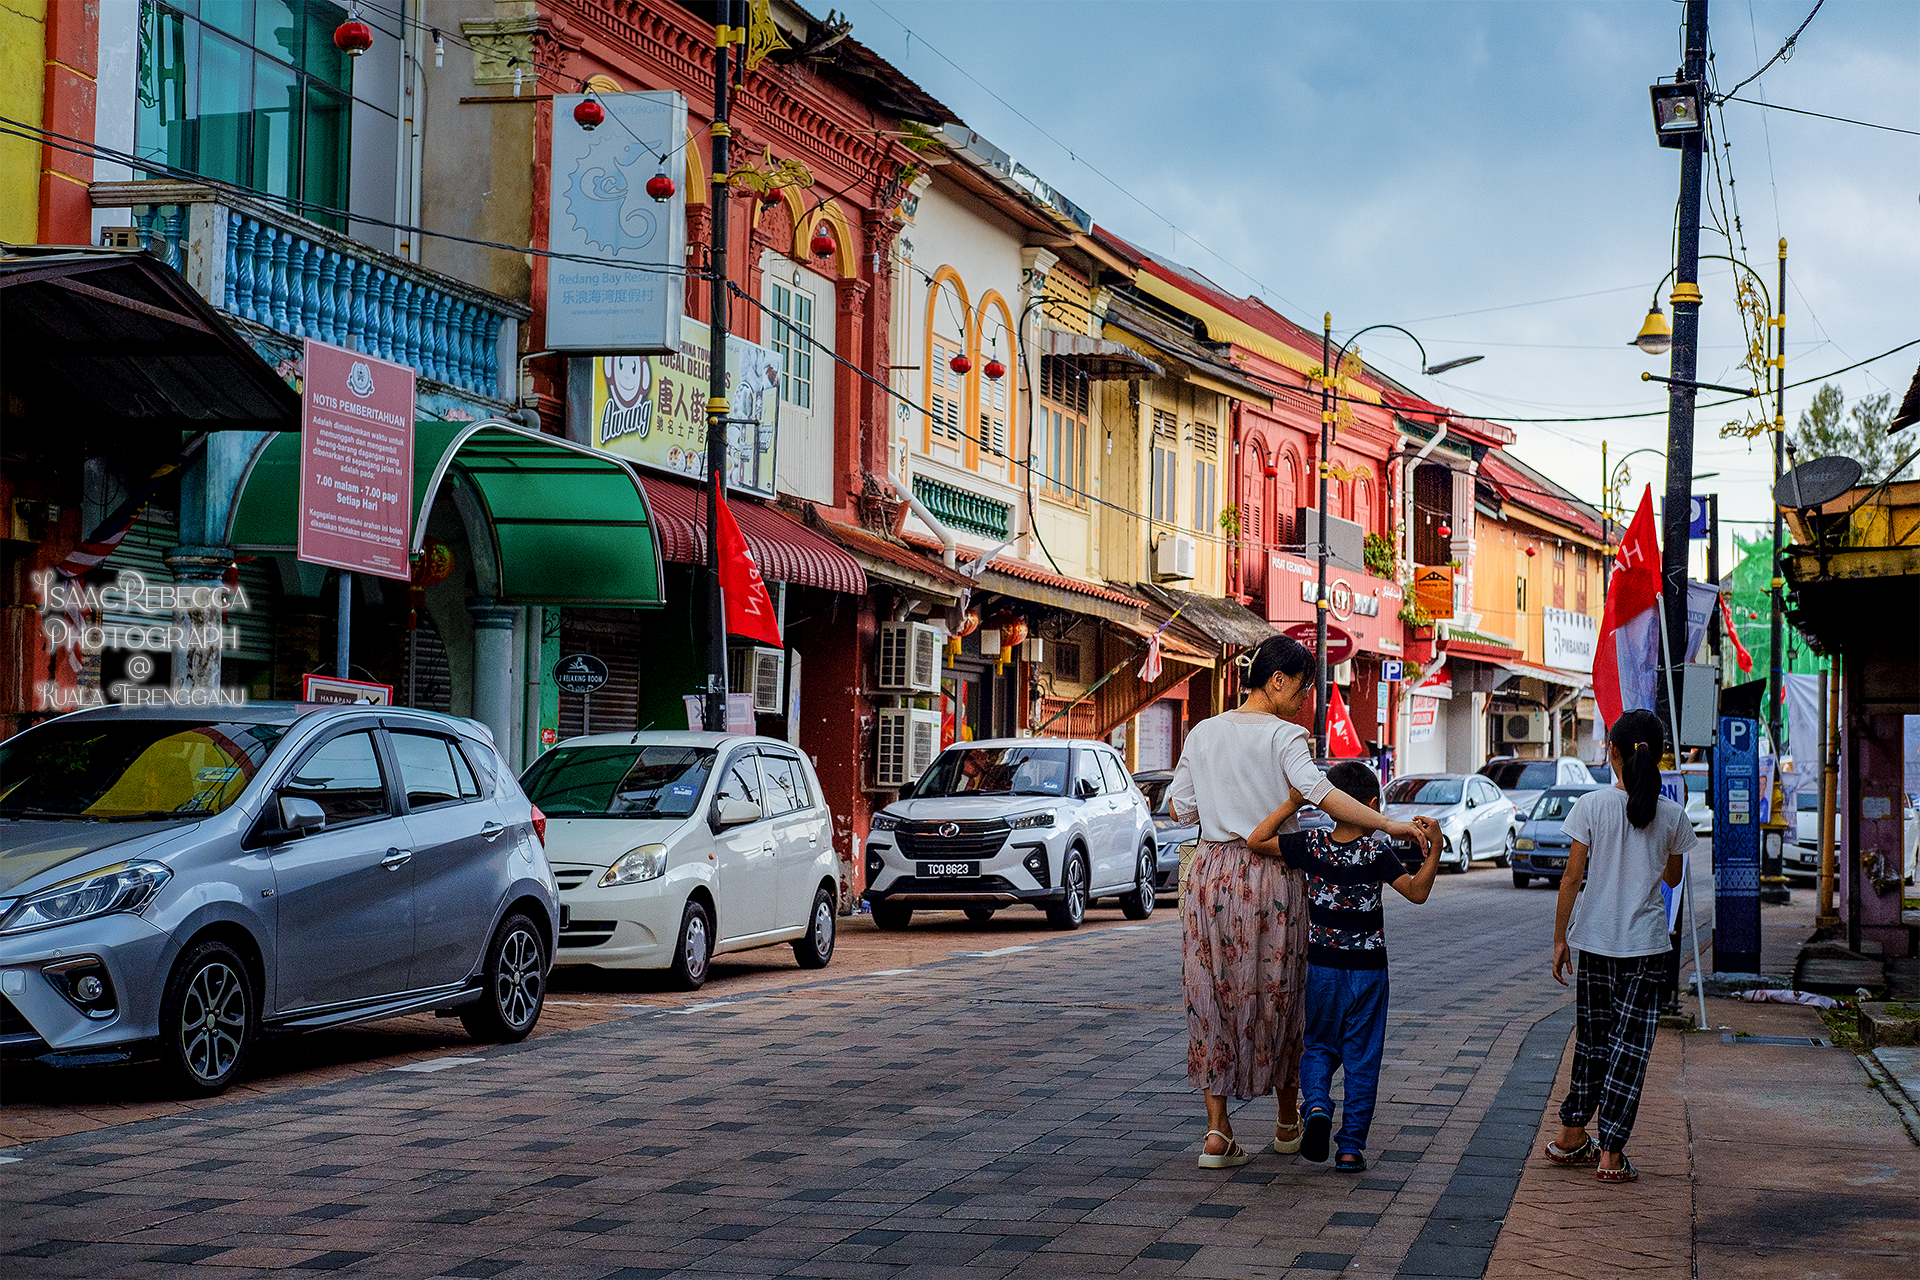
(607, 200)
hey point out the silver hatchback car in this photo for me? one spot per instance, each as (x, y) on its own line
(176, 882)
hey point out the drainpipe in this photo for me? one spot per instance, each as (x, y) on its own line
(948, 548)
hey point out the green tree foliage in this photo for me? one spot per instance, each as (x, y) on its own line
(1828, 427)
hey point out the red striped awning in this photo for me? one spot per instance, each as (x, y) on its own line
(785, 550)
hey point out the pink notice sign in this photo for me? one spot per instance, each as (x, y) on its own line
(356, 462)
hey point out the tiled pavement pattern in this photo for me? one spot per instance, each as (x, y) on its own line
(1023, 1112)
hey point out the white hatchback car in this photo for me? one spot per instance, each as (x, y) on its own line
(672, 848)
(1052, 823)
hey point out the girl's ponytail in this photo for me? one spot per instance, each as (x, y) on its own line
(1639, 736)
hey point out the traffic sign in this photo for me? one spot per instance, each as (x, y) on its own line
(1340, 645)
(1392, 670)
(579, 673)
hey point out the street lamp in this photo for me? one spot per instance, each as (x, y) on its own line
(1330, 361)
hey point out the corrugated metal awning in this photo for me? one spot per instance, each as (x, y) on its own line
(1100, 359)
(785, 550)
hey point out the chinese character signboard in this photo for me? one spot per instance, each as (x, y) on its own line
(621, 286)
(356, 462)
(653, 409)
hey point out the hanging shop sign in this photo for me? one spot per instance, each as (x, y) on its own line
(1433, 590)
(1571, 639)
(1339, 643)
(653, 409)
(622, 286)
(579, 673)
(356, 462)
(1424, 712)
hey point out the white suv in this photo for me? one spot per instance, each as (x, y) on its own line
(1053, 823)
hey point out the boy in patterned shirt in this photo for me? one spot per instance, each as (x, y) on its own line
(1346, 956)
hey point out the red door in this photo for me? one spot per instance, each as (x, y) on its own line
(1255, 515)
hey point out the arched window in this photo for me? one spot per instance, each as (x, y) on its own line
(1286, 497)
(948, 324)
(1363, 504)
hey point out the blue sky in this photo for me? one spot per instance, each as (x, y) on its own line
(1408, 163)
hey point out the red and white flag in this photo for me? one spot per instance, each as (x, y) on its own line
(1151, 666)
(1342, 741)
(749, 607)
(1626, 662)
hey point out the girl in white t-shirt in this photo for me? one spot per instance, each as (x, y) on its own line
(1627, 840)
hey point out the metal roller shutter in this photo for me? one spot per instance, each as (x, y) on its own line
(143, 551)
(613, 636)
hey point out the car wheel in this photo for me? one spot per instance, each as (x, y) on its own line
(980, 915)
(693, 953)
(890, 917)
(1138, 905)
(1466, 853)
(208, 1020)
(816, 948)
(1506, 852)
(1072, 907)
(514, 984)
(1521, 879)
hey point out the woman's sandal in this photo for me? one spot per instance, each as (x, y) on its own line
(1232, 1158)
(1625, 1173)
(1287, 1146)
(1350, 1162)
(1584, 1154)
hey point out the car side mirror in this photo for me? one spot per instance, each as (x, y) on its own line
(737, 813)
(1472, 803)
(299, 816)
(1085, 789)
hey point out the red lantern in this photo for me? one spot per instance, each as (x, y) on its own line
(660, 186)
(995, 370)
(771, 197)
(1270, 470)
(960, 364)
(1445, 531)
(353, 37)
(822, 243)
(969, 623)
(1012, 629)
(589, 114)
(1531, 553)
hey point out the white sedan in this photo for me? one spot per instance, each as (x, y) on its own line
(672, 848)
(1476, 818)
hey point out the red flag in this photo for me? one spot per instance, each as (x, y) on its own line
(1150, 668)
(1342, 741)
(1626, 659)
(1733, 634)
(749, 607)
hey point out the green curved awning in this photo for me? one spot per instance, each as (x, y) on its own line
(570, 525)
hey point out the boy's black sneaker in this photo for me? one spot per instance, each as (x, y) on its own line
(1319, 1128)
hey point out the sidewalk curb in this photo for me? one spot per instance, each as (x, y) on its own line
(1896, 1096)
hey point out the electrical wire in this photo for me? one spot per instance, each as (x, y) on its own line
(1784, 51)
(1821, 115)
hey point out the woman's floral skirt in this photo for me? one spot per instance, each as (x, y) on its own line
(1244, 970)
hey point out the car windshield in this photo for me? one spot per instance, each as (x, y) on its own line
(120, 770)
(1522, 775)
(1554, 806)
(996, 771)
(1424, 791)
(620, 782)
(1156, 792)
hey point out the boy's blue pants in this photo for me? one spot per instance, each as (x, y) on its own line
(1347, 1028)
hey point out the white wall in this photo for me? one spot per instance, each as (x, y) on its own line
(115, 94)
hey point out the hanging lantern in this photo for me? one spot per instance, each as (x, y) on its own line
(960, 364)
(995, 370)
(660, 186)
(353, 37)
(822, 243)
(589, 114)
(969, 623)
(770, 197)
(1012, 629)
(1269, 470)
(1445, 531)
(1531, 553)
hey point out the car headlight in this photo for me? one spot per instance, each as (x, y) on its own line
(1027, 821)
(1524, 842)
(648, 862)
(128, 886)
(885, 822)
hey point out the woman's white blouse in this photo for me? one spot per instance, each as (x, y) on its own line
(1235, 769)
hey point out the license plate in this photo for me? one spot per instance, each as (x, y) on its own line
(1549, 862)
(938, 870)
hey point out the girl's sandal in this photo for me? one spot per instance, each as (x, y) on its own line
(1625, 1173)
(1350, 1162)
(1288, 1146)
(1232, 1158)
(1584, 1154)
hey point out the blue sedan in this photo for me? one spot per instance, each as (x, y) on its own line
(1542, 847)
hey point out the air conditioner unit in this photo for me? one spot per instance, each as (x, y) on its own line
(1523, 726)
(760, 671)
(1175, 556)
(909, 658)
(905, 746)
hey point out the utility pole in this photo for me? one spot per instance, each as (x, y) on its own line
(717, 404)
(1681, 390)
(1775, 663)
(1320, 599)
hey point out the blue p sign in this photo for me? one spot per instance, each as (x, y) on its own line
(1697, 515)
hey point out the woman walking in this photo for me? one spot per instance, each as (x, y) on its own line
(1244, 916)
(1628, 839)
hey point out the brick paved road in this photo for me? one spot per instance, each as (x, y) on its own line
(1023, 1110)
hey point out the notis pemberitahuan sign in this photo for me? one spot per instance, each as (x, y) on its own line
(356, 462)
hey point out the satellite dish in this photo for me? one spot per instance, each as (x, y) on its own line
(1816, 483)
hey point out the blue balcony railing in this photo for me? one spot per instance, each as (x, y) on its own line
(305, 281)
(962, 510)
